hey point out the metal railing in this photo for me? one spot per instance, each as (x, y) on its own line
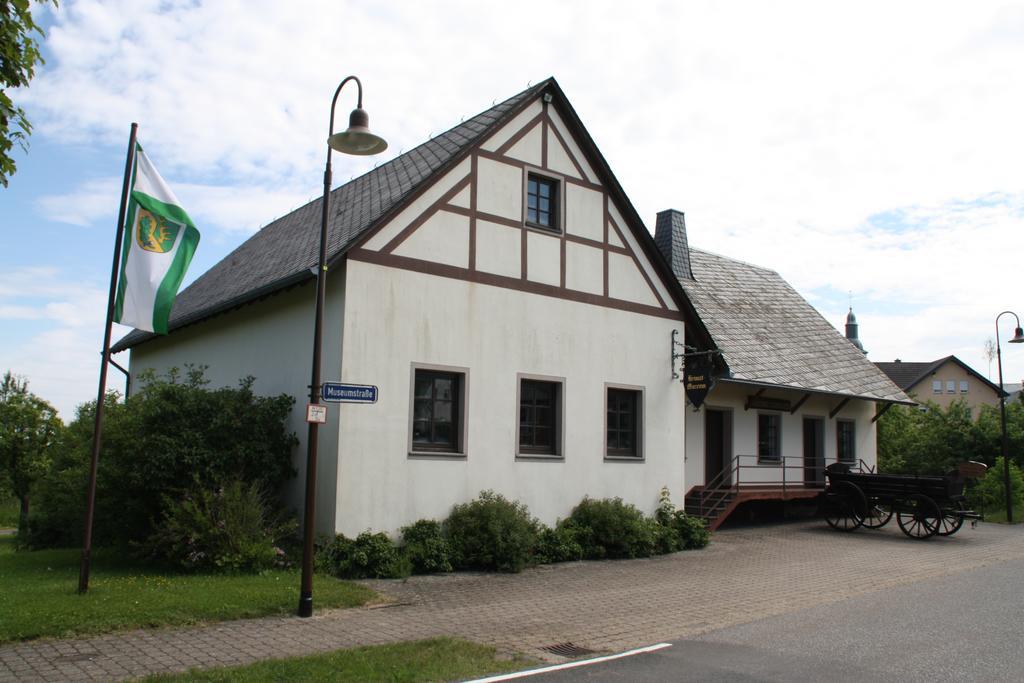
(729, 481)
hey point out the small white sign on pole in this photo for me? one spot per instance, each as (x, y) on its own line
(316, 413)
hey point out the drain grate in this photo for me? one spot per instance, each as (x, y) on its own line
(569, 650)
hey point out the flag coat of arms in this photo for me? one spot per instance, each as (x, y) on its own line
(159, 241)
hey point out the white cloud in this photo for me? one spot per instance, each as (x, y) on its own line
(782, 129)
(53, 332)
(84, 206)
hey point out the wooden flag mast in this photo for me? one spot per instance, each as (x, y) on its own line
(83, 573)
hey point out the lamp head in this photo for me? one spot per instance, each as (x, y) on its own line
(359, 140)
(1018, 336)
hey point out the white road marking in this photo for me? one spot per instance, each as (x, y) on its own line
(571, 665)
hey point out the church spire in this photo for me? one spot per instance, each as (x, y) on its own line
(851, 331)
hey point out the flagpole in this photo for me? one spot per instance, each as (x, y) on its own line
(83, 574)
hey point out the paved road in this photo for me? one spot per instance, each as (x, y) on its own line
(744, 576)
(966, 627)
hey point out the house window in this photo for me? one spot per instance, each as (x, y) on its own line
(542, 202)
(845, 449)
(937, 386)
(963, 386)
(437, 411)
(769, 437)
(540, 417)
(622, 423)
(951, 386)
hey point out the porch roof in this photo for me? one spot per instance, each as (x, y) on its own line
(771, 337)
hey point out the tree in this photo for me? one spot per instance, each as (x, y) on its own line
(19, 54)
(990, 353)
(171, 439)
(28, 428)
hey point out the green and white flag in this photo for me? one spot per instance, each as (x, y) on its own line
(159, 240)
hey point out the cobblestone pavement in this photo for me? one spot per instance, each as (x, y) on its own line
(746, 574)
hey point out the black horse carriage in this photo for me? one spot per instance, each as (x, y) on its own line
(924, 506)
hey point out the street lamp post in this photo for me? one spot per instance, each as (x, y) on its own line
(358, 140)
(1018, 337)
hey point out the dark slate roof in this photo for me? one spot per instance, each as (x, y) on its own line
(906, 375)
(283, 252)
(771, 336)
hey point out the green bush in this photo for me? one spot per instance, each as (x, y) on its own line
(369, 556)
(989, 493)
(491, 533)
(558, 545)
(426, 548)
(171, 437)
(610, 528)
(678, 530)
(234, 528)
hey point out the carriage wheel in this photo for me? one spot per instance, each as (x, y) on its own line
(920, 518)
(844, 506)
(951, 521)
(878, 515)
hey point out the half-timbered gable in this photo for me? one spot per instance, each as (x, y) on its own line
(480, 222)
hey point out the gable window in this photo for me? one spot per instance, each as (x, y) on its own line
(950, 386)
(963, 386)
(623, 416)
(937, 386)
(542, 202)
(845, 449)
(437, 411)
(540, 417)
(769, 437)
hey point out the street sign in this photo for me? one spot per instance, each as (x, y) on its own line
(316, 413)
(337, 392)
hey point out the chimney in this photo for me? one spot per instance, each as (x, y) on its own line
(670, 236)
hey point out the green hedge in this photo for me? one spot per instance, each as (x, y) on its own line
(493, 533)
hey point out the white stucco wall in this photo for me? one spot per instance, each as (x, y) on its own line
(395, 318)
(744, 433)
(272, 340)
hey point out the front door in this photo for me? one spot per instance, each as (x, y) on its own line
(814, 450)
(717, 447)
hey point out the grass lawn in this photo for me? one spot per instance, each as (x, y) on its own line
(38, 594)
(438, 659)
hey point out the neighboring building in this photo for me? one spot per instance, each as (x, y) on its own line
(799, 395)
(942, 381)
(1013, 390)
(499, 288)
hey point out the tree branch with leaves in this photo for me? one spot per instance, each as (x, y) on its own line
(19, 55)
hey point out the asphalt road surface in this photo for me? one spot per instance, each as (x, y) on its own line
(966, 627)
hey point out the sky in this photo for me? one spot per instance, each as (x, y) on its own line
(872, 153)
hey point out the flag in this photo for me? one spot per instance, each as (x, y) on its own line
(159, 241)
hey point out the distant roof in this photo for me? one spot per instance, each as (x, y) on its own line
(285, 252)
(771, 336)
(907, 375)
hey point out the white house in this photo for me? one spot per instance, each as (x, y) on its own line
(498, 287)
(797, 395)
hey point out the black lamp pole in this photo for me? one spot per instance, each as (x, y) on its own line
(356, 140)
(1018, 337)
